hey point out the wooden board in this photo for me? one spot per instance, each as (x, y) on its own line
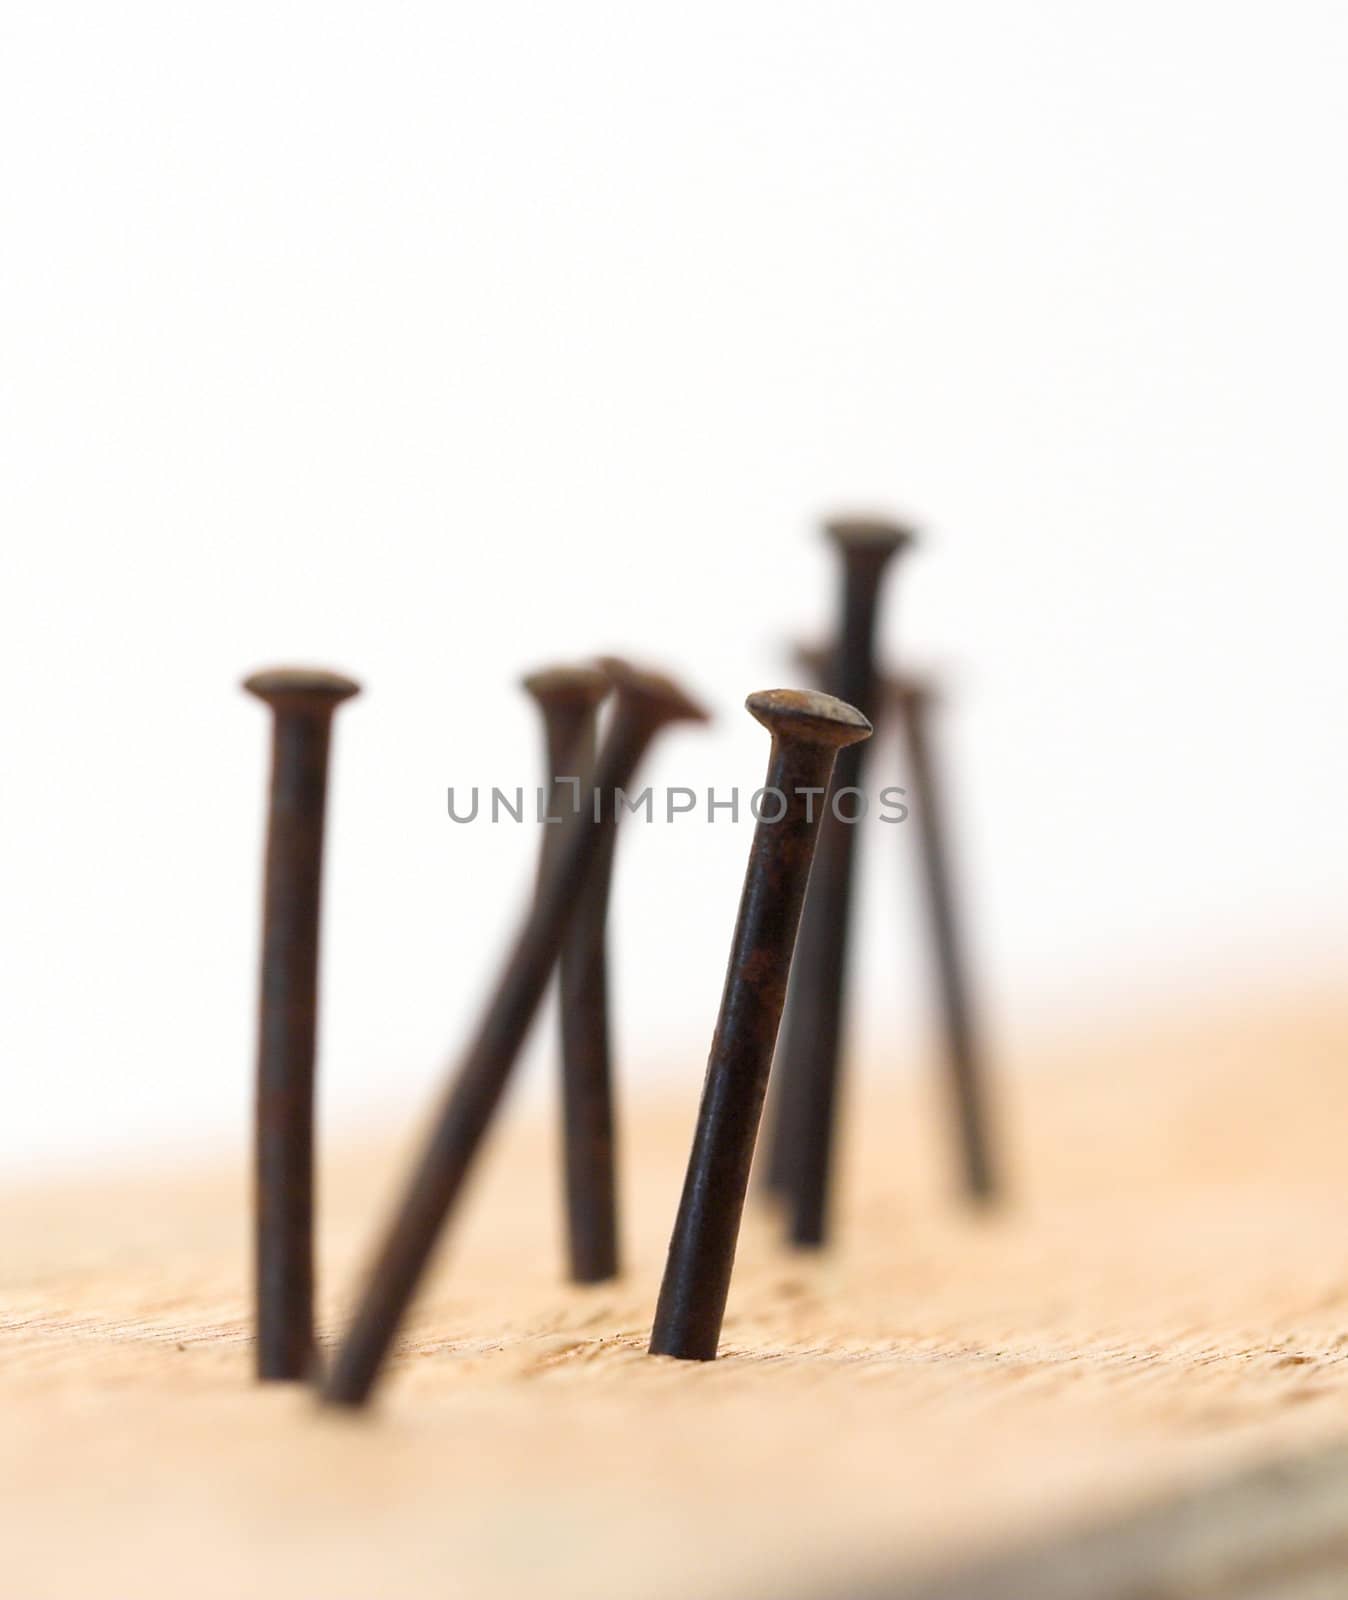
(944, 1399)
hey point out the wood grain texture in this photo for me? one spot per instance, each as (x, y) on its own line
(1162, 1312)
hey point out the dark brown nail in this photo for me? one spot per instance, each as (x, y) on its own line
(814, 660)
(645, 702)
(801, 1155)
(915, 700)
(808, 732)
(772, 1174)
(569, 699)
(302, 704)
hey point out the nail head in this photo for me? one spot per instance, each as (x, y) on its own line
(666, 701)
(879, 535)
(276, 684)
(809, 715)
(572, 685)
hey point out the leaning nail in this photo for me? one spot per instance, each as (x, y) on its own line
(644, 703)
(915, 699)
(772, 1175)
(302, 704)
(569, 699)
(808, 731)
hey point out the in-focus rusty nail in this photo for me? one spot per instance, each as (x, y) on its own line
(915, 698)
(644, 703)
(772, 1171)
(302, 704)
(806, 1108)
(569, 699)
(808, 732)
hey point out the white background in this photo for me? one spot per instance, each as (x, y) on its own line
(437, 342)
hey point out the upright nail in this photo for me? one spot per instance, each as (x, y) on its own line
(808, 732)
(915, 699)
(302, 704)
(812, 1039)
(569, 699)
(645, 702)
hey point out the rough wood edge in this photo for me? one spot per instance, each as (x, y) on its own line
(1278, 1531)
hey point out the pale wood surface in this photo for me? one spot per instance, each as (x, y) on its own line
(1166, 1299)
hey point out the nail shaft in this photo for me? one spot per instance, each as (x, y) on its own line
(963, 1056)
(569, 699)
(302, 705)
(808, 730)
(644, 703)
(812, 1039)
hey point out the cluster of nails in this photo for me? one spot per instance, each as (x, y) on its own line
(817, 740)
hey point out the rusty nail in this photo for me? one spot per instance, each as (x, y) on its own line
(915, 699)
(772, 1174)
(812, 659)
(803, 1135)
(302, 704)
(808, 732)
(569, 699)
(644, 703)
